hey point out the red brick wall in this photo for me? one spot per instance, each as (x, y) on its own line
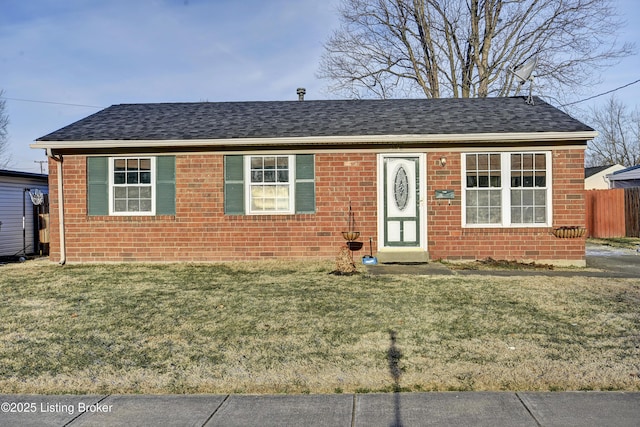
(201, 232)
(448, 240)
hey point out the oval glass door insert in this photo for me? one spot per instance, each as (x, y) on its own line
(401, 188)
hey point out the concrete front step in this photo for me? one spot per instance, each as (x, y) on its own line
(402, 255)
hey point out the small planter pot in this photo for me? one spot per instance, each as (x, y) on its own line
(354, 246)
(570, 232)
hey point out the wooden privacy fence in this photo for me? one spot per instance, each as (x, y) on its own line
(613, 213)
(632, 211)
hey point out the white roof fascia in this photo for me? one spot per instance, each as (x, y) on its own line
(319, 140)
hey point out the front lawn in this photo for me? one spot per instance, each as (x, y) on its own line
(276, 327)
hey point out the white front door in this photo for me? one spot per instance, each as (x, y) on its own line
(402, 223)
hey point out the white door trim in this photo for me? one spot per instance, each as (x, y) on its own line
(422, 214)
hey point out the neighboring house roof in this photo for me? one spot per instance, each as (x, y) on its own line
(231, 121)
(20, 174)
(625, 178)
(595, 169)
(596, 178)
(632, 172)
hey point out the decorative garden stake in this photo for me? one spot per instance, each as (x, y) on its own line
(344, 261)
(350, 235)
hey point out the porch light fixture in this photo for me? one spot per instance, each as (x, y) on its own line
(443, 161)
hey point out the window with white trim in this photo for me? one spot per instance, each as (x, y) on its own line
(132, 186)
(269, 181)
(484, 188)
(528, 188)
(506, 189)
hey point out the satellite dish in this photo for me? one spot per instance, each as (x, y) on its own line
(524, 73)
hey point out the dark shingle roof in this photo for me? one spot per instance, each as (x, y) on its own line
(594, 170)
(281, 119)
(21, 174)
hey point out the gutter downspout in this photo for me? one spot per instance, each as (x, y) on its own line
(63, 249)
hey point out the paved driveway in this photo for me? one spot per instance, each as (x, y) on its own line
(617, 260)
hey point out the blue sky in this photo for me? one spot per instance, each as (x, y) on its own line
(99, 53)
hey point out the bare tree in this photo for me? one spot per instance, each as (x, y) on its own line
(5, 155)
(619, 135)
(463, 48)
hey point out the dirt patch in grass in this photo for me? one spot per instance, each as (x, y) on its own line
(285, 327)
(493, 264)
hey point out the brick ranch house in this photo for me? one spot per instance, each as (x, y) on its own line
(450, 179)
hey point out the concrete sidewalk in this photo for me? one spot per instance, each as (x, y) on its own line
(438, 269)
(335, 410)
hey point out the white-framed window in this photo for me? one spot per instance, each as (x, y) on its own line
(270, 184)
(132, 186)
(506, 189)
(529, 188)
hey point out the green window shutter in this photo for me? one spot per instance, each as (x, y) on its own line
(305, 184)
(97, 185)
(165, 185)
(234, 185)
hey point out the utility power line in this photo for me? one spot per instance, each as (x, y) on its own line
(50, 102)
(95, 106)
(601, 94)
(41, 163)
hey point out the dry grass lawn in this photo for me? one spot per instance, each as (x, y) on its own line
(293, 328)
